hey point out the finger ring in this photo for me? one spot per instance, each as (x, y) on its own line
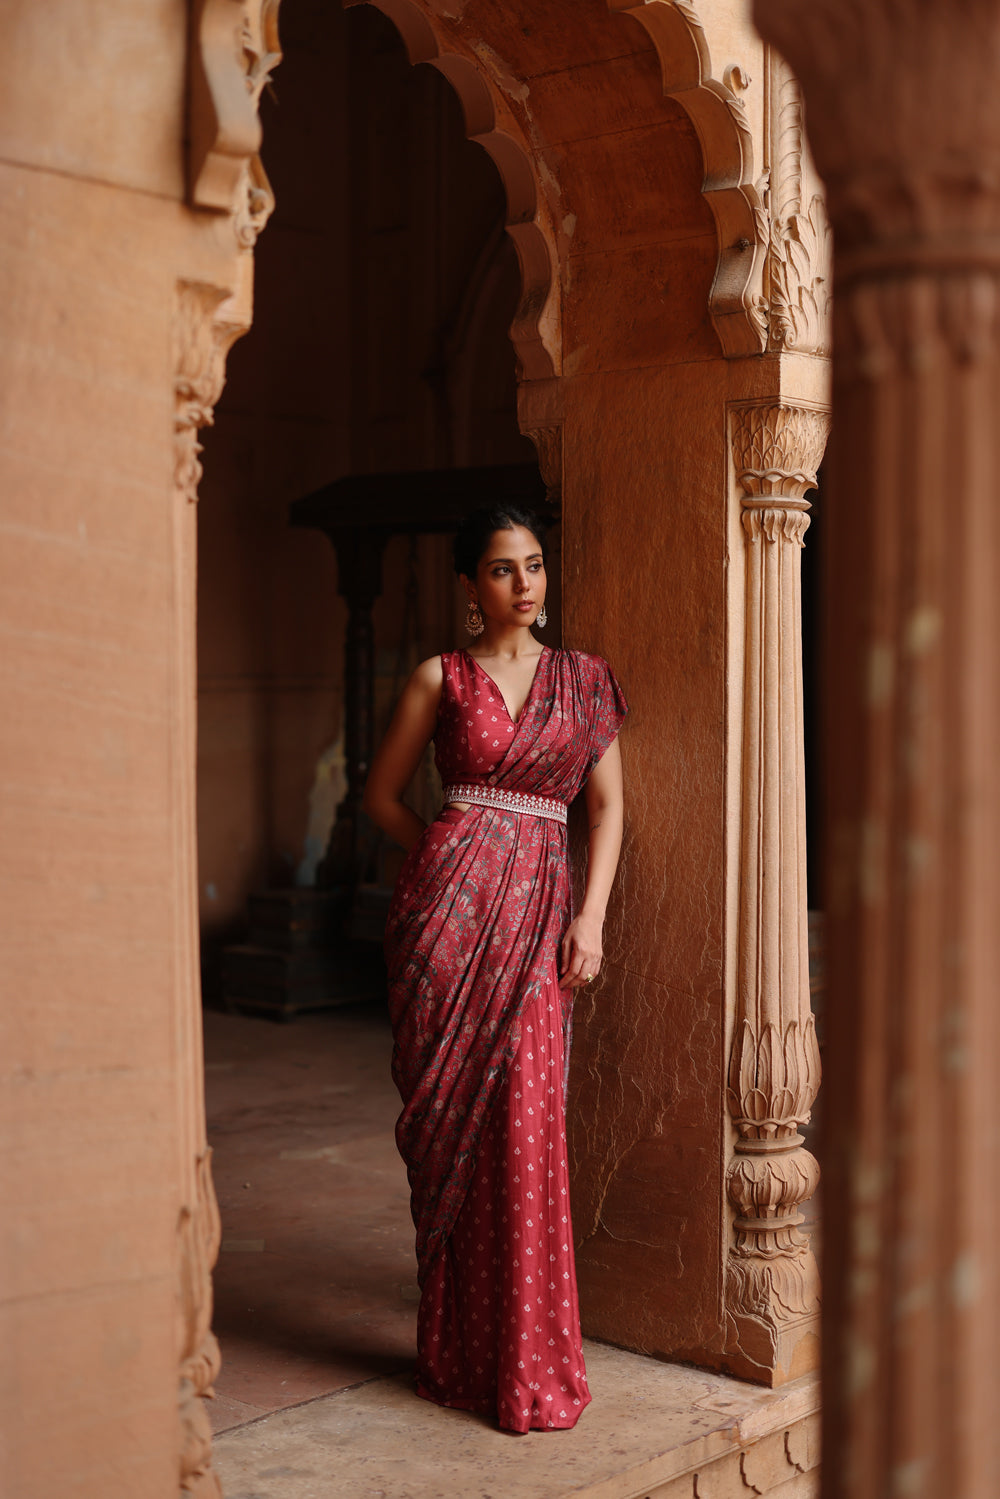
(589, 978)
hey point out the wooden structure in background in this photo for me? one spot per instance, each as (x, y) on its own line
(311, 948)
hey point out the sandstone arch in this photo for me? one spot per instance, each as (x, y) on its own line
(524, 137)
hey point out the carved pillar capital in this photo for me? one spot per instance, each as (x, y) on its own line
(233, 51)
(777, 450)
(207, 322)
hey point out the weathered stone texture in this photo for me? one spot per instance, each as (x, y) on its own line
(654, 1431)
(104, 383)
(647, 1081)
(96, 93)
(89, 1056)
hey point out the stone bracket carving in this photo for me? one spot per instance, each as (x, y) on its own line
(207, 322)
(233, 51)
(798, 281)
(798, 275)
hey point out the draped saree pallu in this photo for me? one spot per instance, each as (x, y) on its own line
(481, 1042)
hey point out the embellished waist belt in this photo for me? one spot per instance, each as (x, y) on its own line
(507, 801)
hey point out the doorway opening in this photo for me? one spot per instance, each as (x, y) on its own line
(385, 289)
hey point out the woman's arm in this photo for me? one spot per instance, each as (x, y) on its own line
(582, 947)
(399, 754)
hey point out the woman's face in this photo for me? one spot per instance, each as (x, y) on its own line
(510, 579)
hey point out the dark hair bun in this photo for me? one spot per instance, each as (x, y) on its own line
(473, 536)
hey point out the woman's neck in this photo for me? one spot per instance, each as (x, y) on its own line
(511, 644)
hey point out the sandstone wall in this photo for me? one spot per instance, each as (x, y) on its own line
(92, 240)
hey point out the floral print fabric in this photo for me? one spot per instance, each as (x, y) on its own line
(472, 942)
(499, 1325)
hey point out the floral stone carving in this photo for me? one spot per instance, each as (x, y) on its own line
(774, 1070)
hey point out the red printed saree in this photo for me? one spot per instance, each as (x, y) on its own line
(481, 1036)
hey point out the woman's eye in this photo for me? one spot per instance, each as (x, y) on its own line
(535, 567)
(499, 572)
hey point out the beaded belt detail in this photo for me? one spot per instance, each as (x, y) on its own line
(507, 801)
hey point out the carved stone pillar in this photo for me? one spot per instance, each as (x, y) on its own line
(207, 321)
(772, 1305)
(904, 122)
(233, 46)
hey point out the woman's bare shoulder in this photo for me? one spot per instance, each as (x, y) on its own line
(429, 674)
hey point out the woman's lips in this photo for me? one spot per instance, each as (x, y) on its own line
(525, 607)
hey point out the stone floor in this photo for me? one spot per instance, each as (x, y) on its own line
(316, 1310)
(315, 1289)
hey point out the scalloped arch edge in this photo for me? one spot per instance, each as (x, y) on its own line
(718, 118)
(535, 331)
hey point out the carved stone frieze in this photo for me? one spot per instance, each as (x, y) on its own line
(772, 1464)
(207, 322)
(234, 50)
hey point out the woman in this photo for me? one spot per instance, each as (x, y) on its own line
(483, 958)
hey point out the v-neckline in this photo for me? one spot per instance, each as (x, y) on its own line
(498, 690)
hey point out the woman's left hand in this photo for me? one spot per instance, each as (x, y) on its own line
(581, 952)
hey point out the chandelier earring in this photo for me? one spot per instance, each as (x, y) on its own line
(542, 618)
(474, 620)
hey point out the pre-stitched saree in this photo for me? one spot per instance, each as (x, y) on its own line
(481, 1033)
